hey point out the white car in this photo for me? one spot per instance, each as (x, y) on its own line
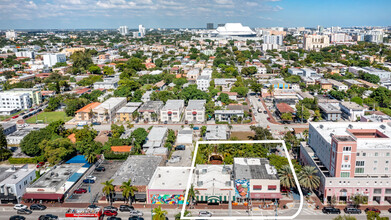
(20, 207)
(135, 213)
(204, 214)
(91, 177)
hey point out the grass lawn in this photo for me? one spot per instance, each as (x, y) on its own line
(48, 117)
(4, 117)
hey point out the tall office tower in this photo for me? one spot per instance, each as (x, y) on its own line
(141, 30)
(12, 35)
(209, 26)
(123, 30)
(220, 25)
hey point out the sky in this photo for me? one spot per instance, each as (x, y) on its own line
(81, 14)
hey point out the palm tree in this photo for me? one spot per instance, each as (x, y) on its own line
(270, 90)
(308, 178)
(286, 177)
(186, 214)
(128, 190)
(90, 156)
(108, 189)
(192, 194)
(159, 213)
(154, 116)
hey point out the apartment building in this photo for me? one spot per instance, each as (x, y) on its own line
(14, 100)
(172, 111)
(351, 158)
(51, 59)
(195, 111)
(316, 42)
(203, 82)
(106, 111)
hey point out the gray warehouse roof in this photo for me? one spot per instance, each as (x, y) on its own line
(254, 168)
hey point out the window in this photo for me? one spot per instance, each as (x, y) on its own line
(388, 191)
(346, 158)
(359, 170)
(364, 154)
(376, 154)
(345, 174)
(360, 163)
(358, 154)
(347, 148)
(377, 191)
(257, 187)
(272, 187)
(387, 154)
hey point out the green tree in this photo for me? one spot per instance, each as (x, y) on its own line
(30, 143)
(345, 217)
(302, 112)
(287, 116)
(128, 190)
(108, 70)
(308, 178)
(108, 189)
(81, 61)
(94, 69)
(159, 213)
(224, 98)
(135, 63)
(3, 139)
(159, 62)
(317, 115)
(286, 177)
(192, 195)
(359, 199)
(117, 130)
(256, 87)
(57, 150)
(138, 136)
(186, 214)
(90, 155)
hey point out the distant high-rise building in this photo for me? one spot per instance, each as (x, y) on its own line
(209, 26)
(123, 30)
(141, 30)
(11, 35)
(51, 59)
(220, 25)
(272, 39)
(316, 42)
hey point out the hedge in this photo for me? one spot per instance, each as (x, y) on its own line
(116, 156)
(12, 160)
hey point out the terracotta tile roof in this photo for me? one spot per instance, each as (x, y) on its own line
(88, 107)
(72, 137)
(284, 108)
(121, 149)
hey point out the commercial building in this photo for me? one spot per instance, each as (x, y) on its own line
(150, 110)
(57, 183)
(86, 113)
(123, 30)
(29, 54)
(351, 110)
(195, 111)
(34, 94)
(172, 111)
(203, 82)
(330, 111)
(167, 185)
(255, 179)
(13, 182)
(209, 26)
(15, 101)
(235, 30)
(316, 42)
(227, 115)
(155, 138)
(138, 168)
(214, 183)
(352, 158)
(51, 59)
(106, 111)
(8, 127)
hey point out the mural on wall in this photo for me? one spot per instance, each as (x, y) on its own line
(167, 199)
(242, 189)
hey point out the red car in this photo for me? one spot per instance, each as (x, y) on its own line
(15, 116)
(372, 209)
(110, 213)
(40, 164)
(80, 191)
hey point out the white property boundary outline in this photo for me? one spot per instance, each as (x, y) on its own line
(243, 217)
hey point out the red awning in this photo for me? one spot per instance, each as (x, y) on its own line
(43, 196)
(169, 112)
(257, 187)
(272, 187)
(194, 113)
(265, 195)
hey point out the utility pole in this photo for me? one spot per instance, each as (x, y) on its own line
(229, 204)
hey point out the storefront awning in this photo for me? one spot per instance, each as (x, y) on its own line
(43, 196)
(265, 195)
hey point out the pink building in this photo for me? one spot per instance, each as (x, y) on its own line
(352, 158)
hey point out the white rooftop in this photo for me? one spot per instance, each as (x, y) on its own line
(166, 178)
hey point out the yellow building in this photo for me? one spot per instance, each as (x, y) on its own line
(85, 113)
(70, 51)
(125, 113)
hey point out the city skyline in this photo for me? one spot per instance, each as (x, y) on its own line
(110, 14)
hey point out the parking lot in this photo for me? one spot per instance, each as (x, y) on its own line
(185, 157)
(96, 188)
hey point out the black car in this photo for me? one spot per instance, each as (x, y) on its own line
(99, 169)
(111, 208)
(180, 147)
(351, 210)
(126, 208)
(37, 207)
(135, 218)
(48, 217)
(17, 217)
(93, 206)
(331, 210)
(113, 218)
(24, 212)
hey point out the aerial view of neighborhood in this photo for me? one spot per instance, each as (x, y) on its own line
(220, 109)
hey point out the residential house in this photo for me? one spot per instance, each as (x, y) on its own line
(150, 110)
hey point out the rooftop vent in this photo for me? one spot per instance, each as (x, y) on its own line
(383, 127)
(321, 126)
(350, 126)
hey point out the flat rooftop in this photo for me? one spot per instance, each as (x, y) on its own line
(138, 168)
(196, 105)
(254, 168)
(329, 108)
(209, 176)
(174, 104)
(111, 102)
(165, 178)
(151, 106)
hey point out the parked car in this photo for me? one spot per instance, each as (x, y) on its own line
(37, 207)
(80, 191)
(331, 210)
(204, 214)
(96, 123)
(40, 164)
(13, 117)
(136, 213)
(110, 213)
(17, 217)
(264, 112)
(135, 218)
(48, 217)
(88, 181)
(196, 128)
(111, 208)
(99, 169)
(126, 208)
(113, 218)
(24, 212)
(352, 210)
(372, 209)
(93, 206)
(180, 147)
(91, 177)
(20, 206)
